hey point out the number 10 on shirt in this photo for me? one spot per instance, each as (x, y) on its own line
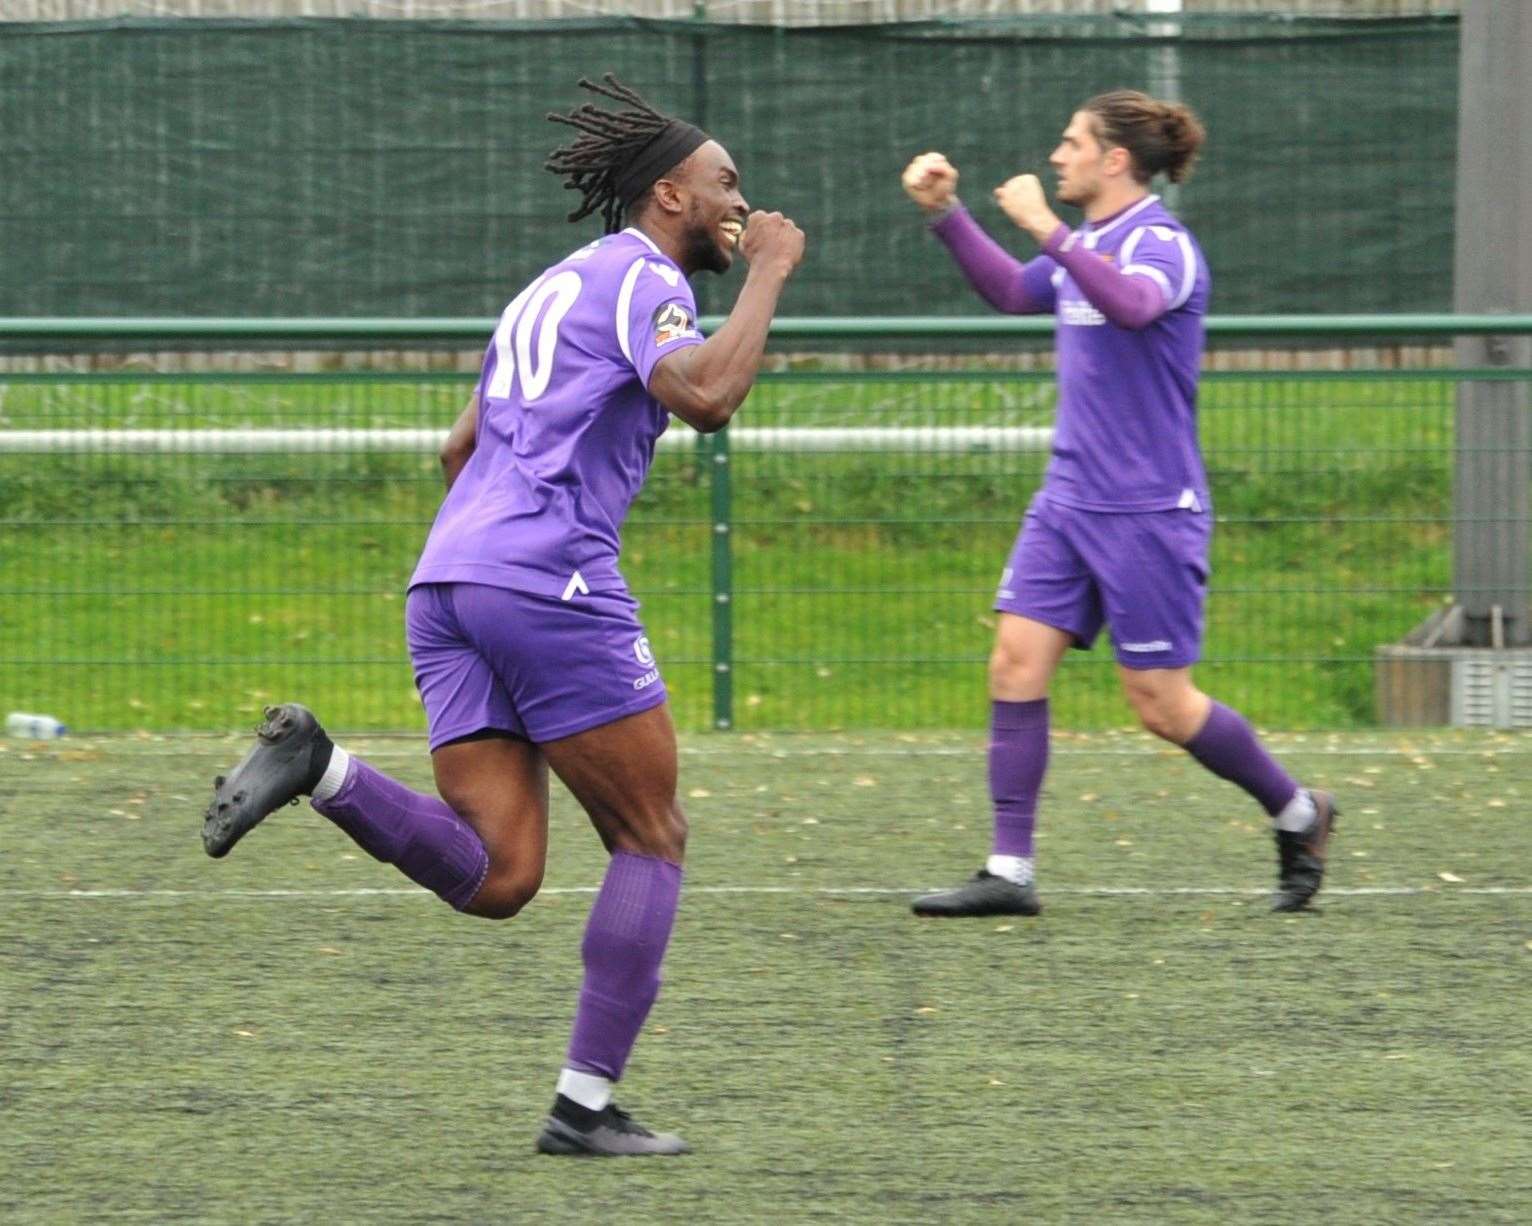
(514, 334)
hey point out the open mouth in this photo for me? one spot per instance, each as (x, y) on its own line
(732, 230)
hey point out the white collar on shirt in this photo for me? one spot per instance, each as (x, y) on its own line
(637, 233)
(1094, 236)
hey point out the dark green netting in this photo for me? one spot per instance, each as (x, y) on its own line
(393, 168)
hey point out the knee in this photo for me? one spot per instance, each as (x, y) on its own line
(663, 835)
(1156, 718)
(506, 890)
(1169, 716)
(1010, 670)
(672, 835)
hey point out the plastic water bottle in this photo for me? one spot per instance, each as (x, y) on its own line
(37, 727)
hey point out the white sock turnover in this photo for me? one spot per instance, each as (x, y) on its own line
(334, 774)
(587, 1089)
(1299, 814)
(1015, 869)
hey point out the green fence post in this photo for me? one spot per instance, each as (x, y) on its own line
(723, 583)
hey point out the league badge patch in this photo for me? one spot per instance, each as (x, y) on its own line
(672, 323)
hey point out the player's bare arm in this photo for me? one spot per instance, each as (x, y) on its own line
(704, 384)
(459, 443)
(930, 180)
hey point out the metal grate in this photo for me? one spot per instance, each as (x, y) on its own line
(1492, 689)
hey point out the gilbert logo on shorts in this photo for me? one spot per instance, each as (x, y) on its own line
(1152, 645)
(644, 654)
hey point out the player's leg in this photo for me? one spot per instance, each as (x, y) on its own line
(1172, 707)
(591, 697)
(1046, 603)
(501, 782)
(481, 846)
(1154, 581)
(1021, 668)
(498, 785)
(493, 782)
(624, 775)
(293, 757)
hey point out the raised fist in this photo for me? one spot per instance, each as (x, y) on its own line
(1024, 202)
(772, 238)
(931, 181)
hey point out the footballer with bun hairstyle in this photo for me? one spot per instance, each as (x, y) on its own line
(1119, 532)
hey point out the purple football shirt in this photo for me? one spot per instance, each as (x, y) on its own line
(566, 424)
(1125, 437)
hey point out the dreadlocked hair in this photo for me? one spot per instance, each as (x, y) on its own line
(607, 141)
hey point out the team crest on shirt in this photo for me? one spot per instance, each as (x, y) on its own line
(672, 322)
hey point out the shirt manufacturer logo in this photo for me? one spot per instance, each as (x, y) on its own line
(666, 273)
(642, 652)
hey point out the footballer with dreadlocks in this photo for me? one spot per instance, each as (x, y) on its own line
(526, 646)
(1119, 531)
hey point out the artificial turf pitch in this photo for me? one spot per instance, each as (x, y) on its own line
(295, 1034)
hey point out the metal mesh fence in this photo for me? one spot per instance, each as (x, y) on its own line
(168, 562)
(336, 167)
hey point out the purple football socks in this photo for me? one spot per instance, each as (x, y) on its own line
(419, 835)
(624, 944)
(1018, 759)
(1228, 747)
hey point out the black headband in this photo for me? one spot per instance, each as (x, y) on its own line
(671, 145)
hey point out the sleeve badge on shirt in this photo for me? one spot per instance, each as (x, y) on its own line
(672, 322)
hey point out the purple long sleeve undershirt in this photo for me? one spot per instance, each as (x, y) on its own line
(994, 273)
(1129, 302)
(998, 277)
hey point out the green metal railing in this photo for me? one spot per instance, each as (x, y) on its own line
(154, 573)
(378, 330)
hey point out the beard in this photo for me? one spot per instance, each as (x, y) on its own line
(702, 249)
(1075, 195)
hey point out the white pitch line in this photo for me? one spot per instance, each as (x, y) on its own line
(1066, 752)
(804, 891)
(934, 751)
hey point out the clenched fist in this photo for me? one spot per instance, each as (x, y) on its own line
(931, 182)
(771, 239)
(1023, 201)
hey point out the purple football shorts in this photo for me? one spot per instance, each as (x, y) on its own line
(1144, 574)
(537, 667)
